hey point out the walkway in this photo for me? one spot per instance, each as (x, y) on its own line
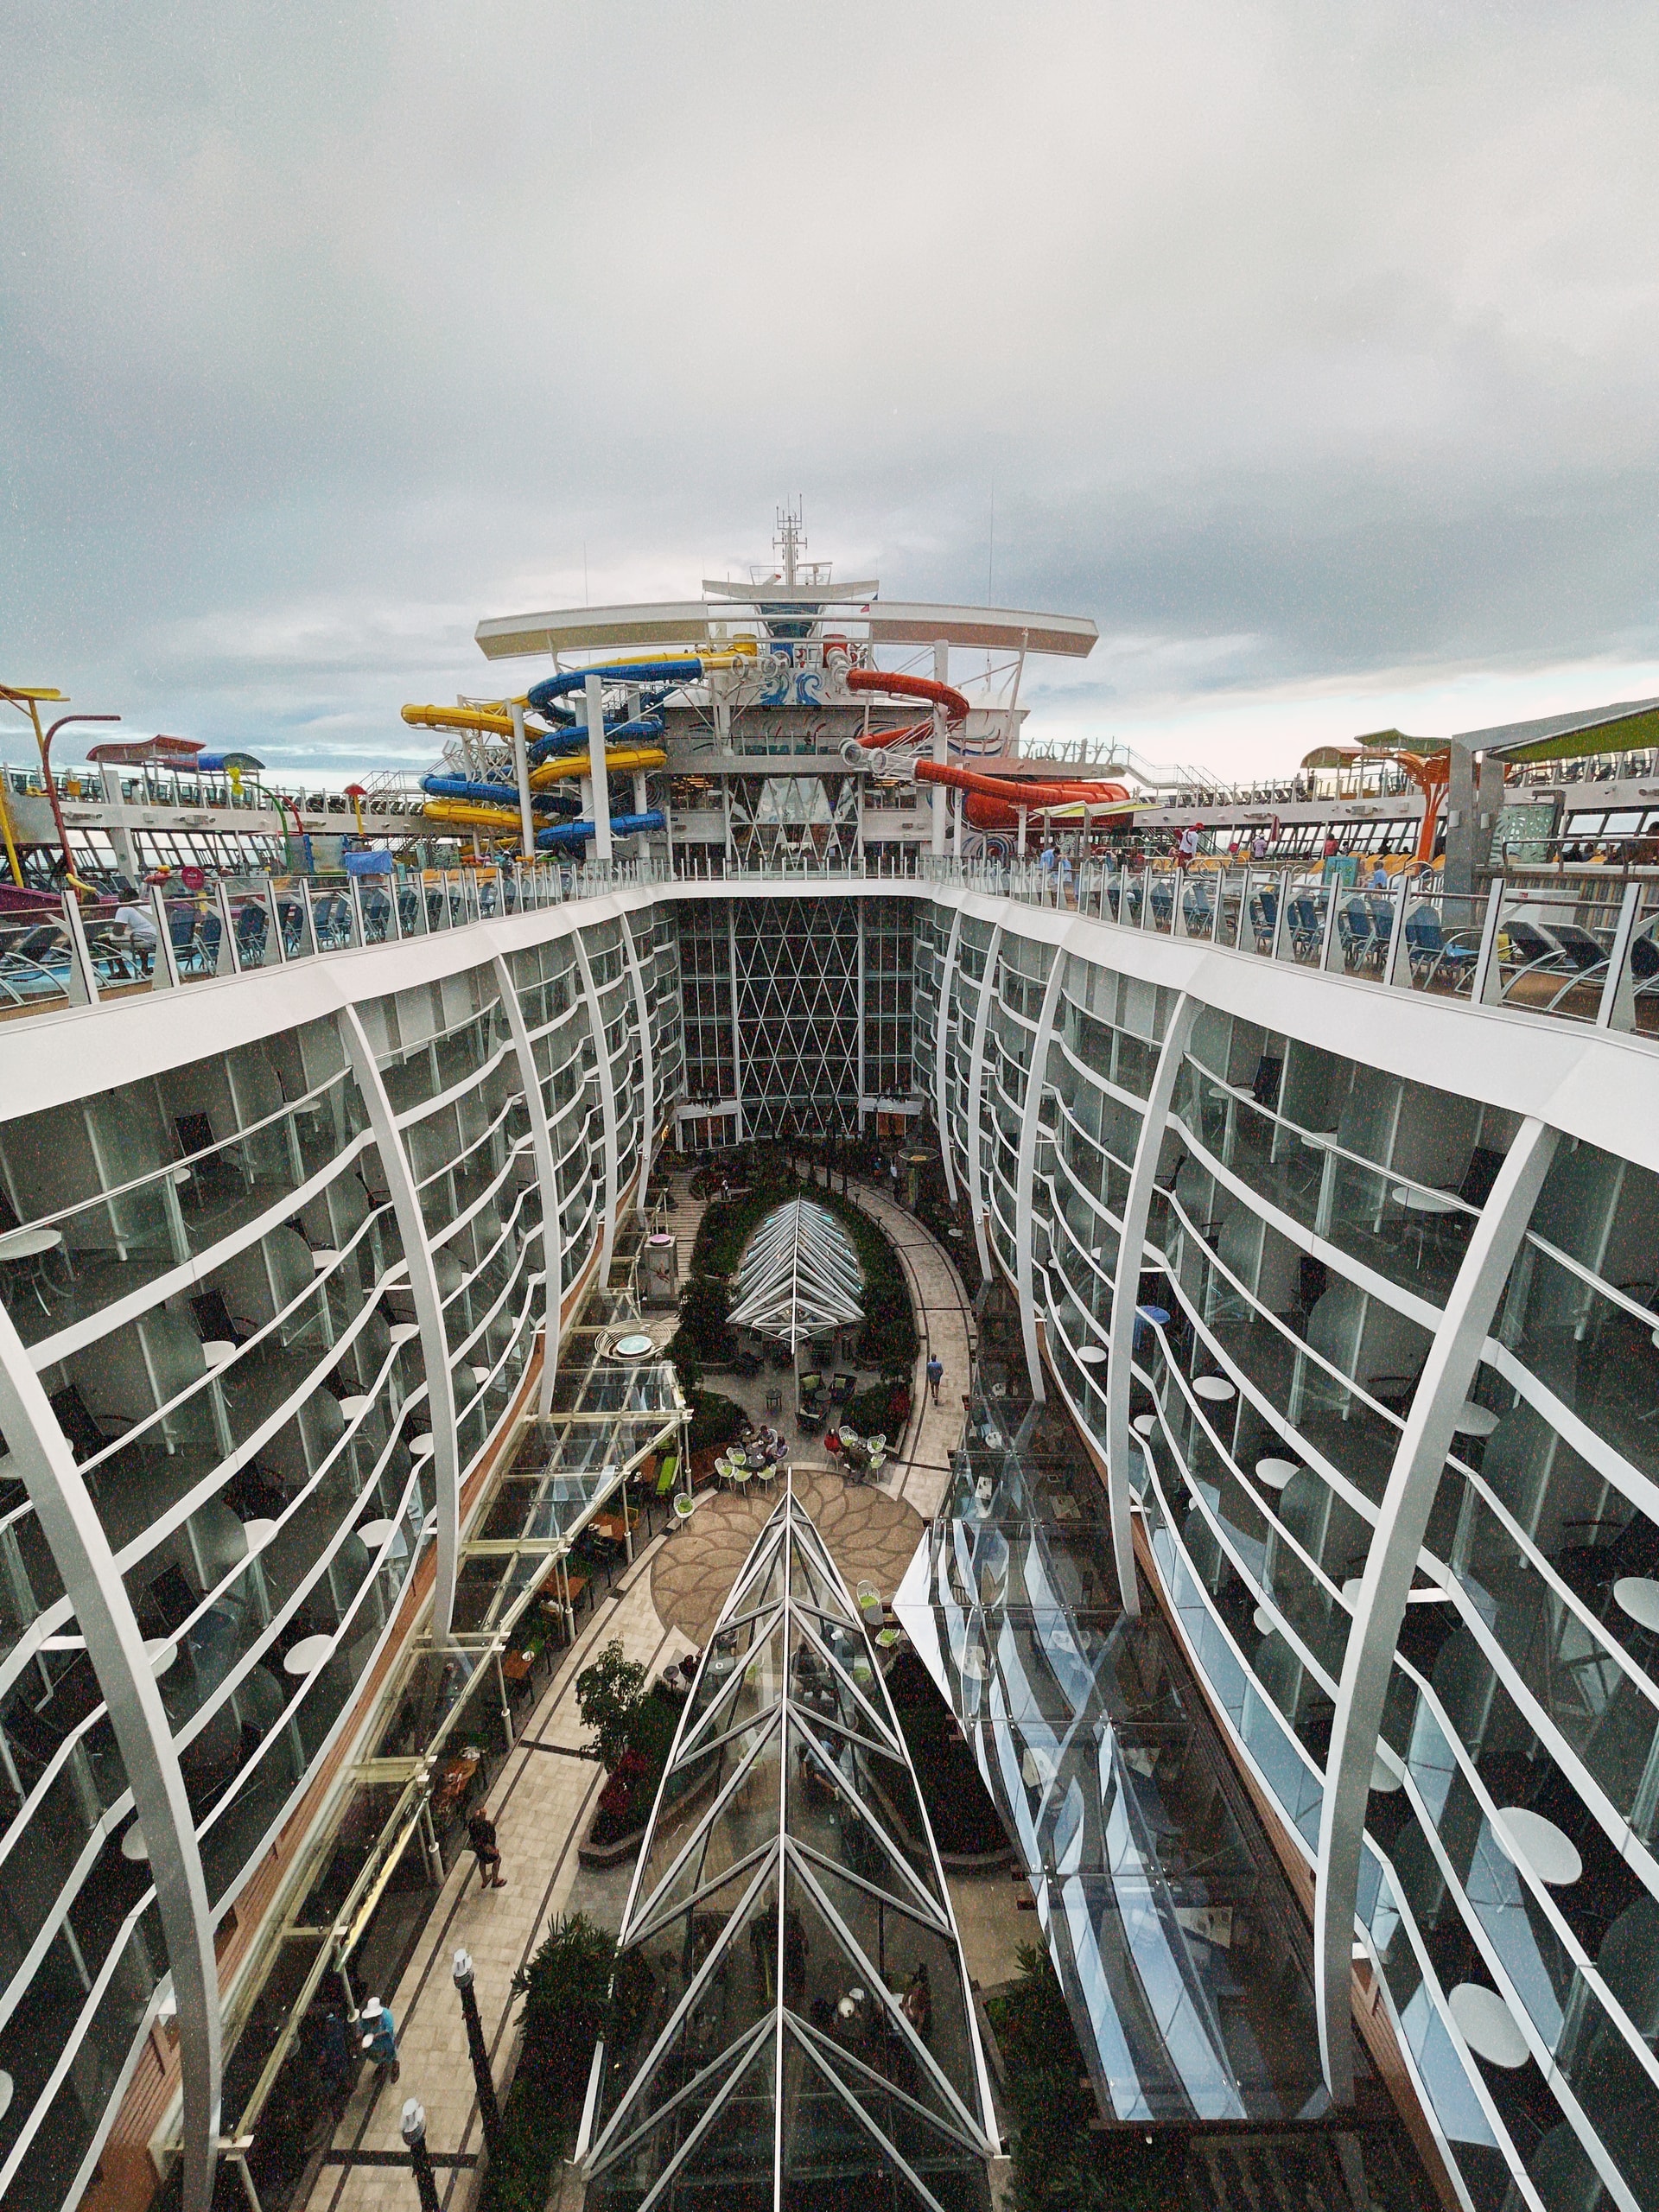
(541, 1802)
(920, 1469)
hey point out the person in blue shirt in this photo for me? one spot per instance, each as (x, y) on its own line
(379, 2033)
(935, 1375)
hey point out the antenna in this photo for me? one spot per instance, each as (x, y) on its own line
(790, 540)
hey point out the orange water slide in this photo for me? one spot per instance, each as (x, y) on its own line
(997, 802)
(906, 687)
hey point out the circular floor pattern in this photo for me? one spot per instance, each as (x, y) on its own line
(872, 1538)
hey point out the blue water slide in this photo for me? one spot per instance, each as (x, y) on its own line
(496, 794)
(542, 695)
(560, 742)
(570, 836)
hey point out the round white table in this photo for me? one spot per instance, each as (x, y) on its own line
(258, 1532)
(401, 1331)
(218, 1351)
(310, 1653)
(1430, 1202)
(1534, 1842)
(1474, 1420)
(352, 1406)
(1144, 1424)
(1275, 1473)
(5, 2093)
(1215, 1390)
(1638, 1596)
(1487, 2024)
(323, 1256)
(133, 1845)
(1384, 1780)
(160, 1652)
(1264, 1621)
(29, 1243)
(420, 1445)
(1092, 1356)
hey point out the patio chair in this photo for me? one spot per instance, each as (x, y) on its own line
(1197, 913)
(843, 1390)
(1429, 949)
(251, 923)
(1264, 918)
(1306, 925)
(684, 1507)
(1355, 933)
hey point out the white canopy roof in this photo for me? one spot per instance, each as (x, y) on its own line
(799, 1275)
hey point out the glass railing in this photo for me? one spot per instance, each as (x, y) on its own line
(1578, 951)
(62, 953)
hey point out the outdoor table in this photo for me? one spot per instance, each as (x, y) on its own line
(1275, 1473)
(453, 1780)
(26, 1251)
(516, 1667)
(1215, 1390)
(1637, 1595)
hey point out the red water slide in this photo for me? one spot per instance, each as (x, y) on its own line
(997, 802)
(906, 687)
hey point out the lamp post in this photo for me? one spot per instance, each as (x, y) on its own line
(489, 2112)
(28, 699)
(412, 2128)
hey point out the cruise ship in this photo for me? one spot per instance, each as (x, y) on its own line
(1303, 1186)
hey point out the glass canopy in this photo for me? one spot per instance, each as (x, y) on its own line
(791, 2012)
(1179, 1948)
(799, 1276)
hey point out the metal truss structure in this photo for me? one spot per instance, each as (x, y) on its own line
(795, 2016)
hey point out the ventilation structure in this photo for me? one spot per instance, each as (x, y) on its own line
(793, 2026)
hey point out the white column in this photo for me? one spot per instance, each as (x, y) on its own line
(428, 1313)
(595, 698)
(115, 1644)
(1380, 1603)
(606, 1106)
(941, 749)
(541, 1149)
(976, 1087)
(947, 983)
(521, 770)
(648, 1067)
(1024, 1171)
(1154, 1121)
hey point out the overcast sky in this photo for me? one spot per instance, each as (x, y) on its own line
(1310, 348)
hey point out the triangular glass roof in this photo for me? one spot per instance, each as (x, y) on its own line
(799, 1275)
(769, 2058)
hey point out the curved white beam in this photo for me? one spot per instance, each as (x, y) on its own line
(1380, 1604)
(541, 1149)
(1154, 1121)
(941, 1067)
(115, 1644)
(607, 1105)
(647, 1065)
(975, 1089)
(428, 1313)
(1024, 1169)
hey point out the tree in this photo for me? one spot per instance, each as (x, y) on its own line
(608, 1697)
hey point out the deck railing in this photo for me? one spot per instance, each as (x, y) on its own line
(1562, 949)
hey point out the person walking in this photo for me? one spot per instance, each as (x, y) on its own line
(480, 1835)
(378, 2032)
(934, 1374)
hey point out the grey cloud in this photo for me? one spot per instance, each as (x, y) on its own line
(1298, 343)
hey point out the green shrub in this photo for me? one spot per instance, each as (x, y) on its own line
(609, 1694)
(566, 1993)
(704, 1304)
(715, 1420)
(1059, 2165)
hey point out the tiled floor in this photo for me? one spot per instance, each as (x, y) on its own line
(871, 1537)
